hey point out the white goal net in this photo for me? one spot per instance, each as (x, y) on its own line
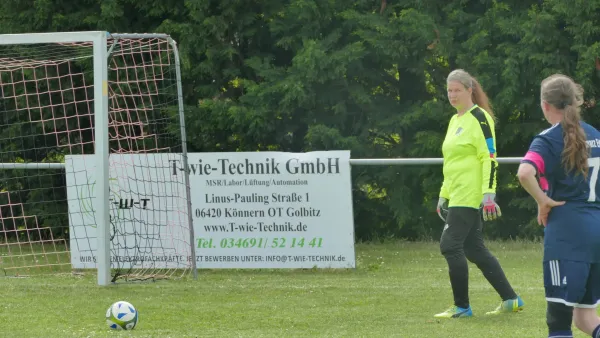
(53, 203)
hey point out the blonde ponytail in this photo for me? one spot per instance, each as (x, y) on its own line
(563, 93)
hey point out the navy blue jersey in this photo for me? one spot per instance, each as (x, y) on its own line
(573, 230)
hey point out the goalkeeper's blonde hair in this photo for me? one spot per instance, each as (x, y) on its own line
(478, 96)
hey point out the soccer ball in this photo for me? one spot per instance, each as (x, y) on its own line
(121, 316)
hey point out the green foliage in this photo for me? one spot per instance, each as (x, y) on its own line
(302, 75)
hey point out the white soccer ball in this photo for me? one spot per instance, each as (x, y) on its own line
(121, 316)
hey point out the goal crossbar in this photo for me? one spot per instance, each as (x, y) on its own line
(66, 37)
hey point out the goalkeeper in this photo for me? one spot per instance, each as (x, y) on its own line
(469, 185)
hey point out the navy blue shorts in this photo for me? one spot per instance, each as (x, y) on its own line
(572, 283)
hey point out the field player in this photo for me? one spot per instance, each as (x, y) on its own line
(566, 159)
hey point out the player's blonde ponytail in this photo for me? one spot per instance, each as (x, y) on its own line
(563, 93)
(481, 99)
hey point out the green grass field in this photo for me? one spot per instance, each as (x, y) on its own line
(394, 292)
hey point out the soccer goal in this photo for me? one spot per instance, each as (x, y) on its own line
(90, 123)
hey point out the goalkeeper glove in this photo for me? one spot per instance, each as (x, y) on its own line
(442, 208)
(491, 210)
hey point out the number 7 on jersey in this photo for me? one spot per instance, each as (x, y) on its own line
(594, 164)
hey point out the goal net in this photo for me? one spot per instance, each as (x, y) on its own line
(63, 205)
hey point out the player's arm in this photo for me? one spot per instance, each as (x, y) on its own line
(527, 177)
(445, 190)
(444, 193)
(444, 196)
(485, 144)
(539, 161)
(534, 165)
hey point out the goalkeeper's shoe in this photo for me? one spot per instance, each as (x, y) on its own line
(508, 306)
(455, 312)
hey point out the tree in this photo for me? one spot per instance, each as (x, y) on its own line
(304, 75)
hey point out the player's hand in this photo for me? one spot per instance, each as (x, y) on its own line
(491, 210)
(442, 208)
(544, 208)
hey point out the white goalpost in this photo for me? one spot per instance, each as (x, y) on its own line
(89, 123)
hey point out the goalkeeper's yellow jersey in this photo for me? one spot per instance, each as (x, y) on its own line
(470, 164)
